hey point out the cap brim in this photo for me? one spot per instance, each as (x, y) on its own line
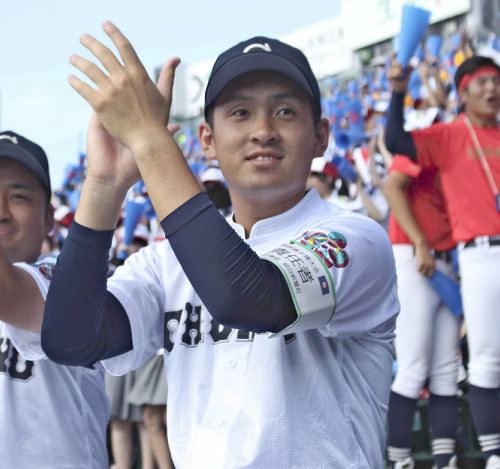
(253, 62)
(25, 158)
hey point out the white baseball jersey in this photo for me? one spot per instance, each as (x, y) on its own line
(52, 416)
(314, 396)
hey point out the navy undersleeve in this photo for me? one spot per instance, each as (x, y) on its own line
(83, 323)
(397, 140)
(239, 289)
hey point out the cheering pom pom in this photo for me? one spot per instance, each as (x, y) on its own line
(414, 22)
(133, 212)
(449, 291)
(433, 46)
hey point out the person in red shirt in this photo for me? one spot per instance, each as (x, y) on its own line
(467, 154)
(427, 333)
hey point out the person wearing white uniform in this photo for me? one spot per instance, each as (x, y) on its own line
(53, 416)
(278, 323)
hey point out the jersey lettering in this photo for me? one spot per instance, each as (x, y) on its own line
(191, 333)
(12, 363)
(192, 326)
(245, 336)
(170, 329)
(219, 333)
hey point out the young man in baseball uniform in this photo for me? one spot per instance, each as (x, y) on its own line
(466, 152)
(52, 416)
(277, 323)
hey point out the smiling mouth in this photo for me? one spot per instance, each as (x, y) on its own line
(263, 157)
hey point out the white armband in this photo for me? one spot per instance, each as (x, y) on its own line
(310, 284)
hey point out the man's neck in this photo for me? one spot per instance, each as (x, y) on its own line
(247, 213)
(482, 121)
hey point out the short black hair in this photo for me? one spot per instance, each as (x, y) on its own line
(471, 64)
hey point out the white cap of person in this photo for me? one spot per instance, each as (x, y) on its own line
(212, 175)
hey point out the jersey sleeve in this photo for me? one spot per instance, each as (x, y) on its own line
(138, 287)
(403, 164)
(26, 342)
(343, 281)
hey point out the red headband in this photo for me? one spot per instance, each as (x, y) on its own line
(468, 77)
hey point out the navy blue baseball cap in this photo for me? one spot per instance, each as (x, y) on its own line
(27, 153)
(261, 53)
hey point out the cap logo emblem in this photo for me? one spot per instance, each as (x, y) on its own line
(265, 47)
(13, 139)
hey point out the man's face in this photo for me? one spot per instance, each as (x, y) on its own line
(482, 96)
(25, 217)
(264, 137)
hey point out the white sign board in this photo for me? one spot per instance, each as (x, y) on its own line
(189, 89)
(324, 45)
(367, 22)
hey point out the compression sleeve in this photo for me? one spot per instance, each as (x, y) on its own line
(239, 289)
(83, 323)
(397, 140)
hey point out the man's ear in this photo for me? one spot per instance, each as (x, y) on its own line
(462, 94)
(322, 135)
(49, 218)
(207, 143)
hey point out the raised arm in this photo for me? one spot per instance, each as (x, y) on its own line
(83, 323)
(437, 94)
(397, 140)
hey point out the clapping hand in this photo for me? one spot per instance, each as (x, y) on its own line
(129, 108)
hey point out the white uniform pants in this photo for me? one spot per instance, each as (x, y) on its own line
(480, 273)
(427, 333)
